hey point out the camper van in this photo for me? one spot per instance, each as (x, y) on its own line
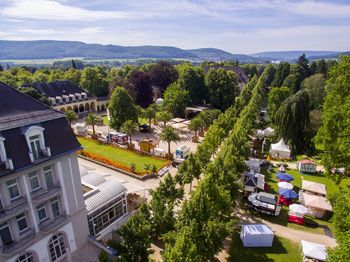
(182, 151)
(265, 203)
(117, 137)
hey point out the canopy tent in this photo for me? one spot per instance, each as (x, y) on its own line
(285, 185)
(317, 202)
(256, 235)
(269, 132)
(252, 181)
(280, 150)
(313, 250)
(284, 176)
(306, 166)
(282, 169)
(313, 187)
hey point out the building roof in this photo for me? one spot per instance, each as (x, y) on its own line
(242, 76)
(57, 88)
(18, 109)
(103, 191)
(17, 112)
(306, 161)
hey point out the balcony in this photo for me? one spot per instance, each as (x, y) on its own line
(15, 246)
(17, 206)
(52, 223)
(42, 194)
(42, 154)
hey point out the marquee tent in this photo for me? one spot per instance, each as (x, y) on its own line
(256, 235)
(280, 150)
(313, 251)
(313, 187)
(306, 166)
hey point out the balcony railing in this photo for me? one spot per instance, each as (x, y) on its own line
(43, 153)
(42, 194)
(14, 246)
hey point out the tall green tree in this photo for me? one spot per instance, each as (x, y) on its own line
(91, 120)
(293, 82)
(196, 125)
(282, 72)
(315, 86)
(334, 134)
(150, 113)
(176, 100)
(293, 122)
(136, 236)
(222, 87)
(277, 96)
(164, 198)
(303, 67)
(73, 75)
(322, 67)
(189, 170)
(169, 135)
(192, 79)
(164, 116)
(121, 108)
(94, 80)
(163, 74)
(71, 116)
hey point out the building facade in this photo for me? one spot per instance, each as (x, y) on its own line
(65, 95)
(42, 210)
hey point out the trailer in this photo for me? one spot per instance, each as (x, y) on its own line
(183, 151)
(118, 137)
(265, 203)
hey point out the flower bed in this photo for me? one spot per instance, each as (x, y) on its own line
(120, 158)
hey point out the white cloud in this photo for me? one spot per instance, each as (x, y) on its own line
(53, 10)
(319, 9)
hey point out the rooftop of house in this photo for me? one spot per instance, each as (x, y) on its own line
(57, 88)
(18, 112)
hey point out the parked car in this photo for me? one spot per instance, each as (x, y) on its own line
(144, 128)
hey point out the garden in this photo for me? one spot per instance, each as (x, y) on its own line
(127, 160)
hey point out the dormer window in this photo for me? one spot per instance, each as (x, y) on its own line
(36, 142)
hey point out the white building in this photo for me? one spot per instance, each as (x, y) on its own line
(42, 210)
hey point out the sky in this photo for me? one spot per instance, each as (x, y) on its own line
(235, 26)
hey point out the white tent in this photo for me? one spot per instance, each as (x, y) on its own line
(313, 250)
(280, 150)
(314, 187)
(256, 235)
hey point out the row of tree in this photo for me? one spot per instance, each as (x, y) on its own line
(197, 231)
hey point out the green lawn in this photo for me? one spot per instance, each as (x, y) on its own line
(312, 225)
(122, 156)
(282, 250)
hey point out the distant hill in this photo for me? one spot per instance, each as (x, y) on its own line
(50, 49)
(293, 55)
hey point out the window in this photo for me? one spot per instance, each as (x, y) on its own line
(22, 222)
(5, 235)
(55, 207)
(57, 246)
(27, 257)
(41, 210)
(35, 146)
(1, 206)
(34, 181)
(50, 182)
(13, 189)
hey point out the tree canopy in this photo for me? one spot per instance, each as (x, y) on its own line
(176, 99)
(121, 108)
(277, 96)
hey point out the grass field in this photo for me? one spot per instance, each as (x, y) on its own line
(122, 156)
(312, 225)
(282, 250)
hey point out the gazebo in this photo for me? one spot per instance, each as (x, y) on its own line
(306, 166)
(280, 150)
